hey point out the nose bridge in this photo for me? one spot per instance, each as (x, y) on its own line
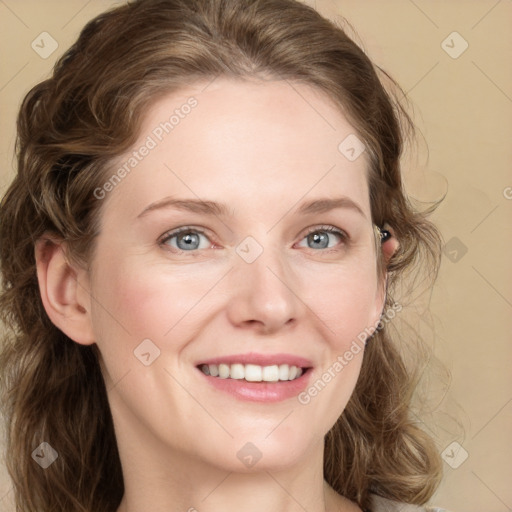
(263, 288)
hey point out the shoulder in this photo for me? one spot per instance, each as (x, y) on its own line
(380, 504)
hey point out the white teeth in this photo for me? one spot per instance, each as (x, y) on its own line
(253, 372)
(223, 371)
(237, 371)
(271, 373)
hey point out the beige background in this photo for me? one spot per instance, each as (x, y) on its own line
(463, 106)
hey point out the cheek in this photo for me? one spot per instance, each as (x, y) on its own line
(138, 301)
(346, 316)
(345, 300)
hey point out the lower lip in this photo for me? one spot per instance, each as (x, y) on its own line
(260, 391)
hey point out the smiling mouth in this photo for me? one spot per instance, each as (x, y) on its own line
(253, 372)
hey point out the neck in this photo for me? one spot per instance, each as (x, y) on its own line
(192, 486)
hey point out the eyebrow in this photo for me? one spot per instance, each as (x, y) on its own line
(325, 205)
(219, 209)
(191, 205)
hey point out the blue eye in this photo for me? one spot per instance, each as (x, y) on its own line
(189, 239)
(186, 239)
(324, 237)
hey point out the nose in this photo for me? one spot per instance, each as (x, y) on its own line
(263, 298)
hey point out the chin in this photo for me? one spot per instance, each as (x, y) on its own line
(256, 451)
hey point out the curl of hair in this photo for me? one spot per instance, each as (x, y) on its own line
(71, 128)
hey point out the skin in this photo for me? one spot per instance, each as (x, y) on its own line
(263, 149)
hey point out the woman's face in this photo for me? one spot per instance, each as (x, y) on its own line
(239, 240)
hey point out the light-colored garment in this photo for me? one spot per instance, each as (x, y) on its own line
(380, 504)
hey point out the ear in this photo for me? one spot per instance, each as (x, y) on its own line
(388, 248)
(64, 290)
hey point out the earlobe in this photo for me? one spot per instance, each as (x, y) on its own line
(63, 290)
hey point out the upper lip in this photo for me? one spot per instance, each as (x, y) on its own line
(260, 360)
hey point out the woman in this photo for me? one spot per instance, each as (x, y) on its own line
(199, 253)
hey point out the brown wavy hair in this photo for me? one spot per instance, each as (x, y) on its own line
(72, 126)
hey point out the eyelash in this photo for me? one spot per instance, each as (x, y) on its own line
(315, 229)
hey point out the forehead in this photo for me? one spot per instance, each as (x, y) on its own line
(231, 139)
